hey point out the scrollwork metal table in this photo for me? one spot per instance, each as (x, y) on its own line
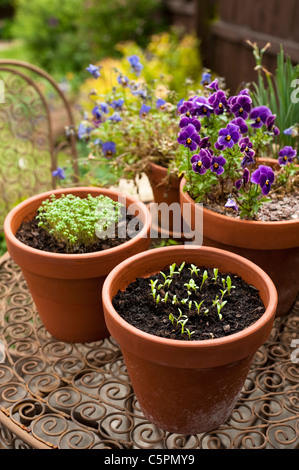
(56, 395)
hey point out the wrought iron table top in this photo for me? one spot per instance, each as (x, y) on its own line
(79, 396)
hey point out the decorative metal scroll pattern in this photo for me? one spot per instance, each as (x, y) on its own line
(29, 148)
(79, 396)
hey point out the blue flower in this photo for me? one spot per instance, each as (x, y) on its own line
(115, 117)
(160, 103)
(205, 78)
(94, 70)
(135, 64)
(117, 104)
(97, 114)
(144, 110)
(104, 108)
(83, 131)
(123, 81)
(60, 173)
(231, 203)
(109, 149)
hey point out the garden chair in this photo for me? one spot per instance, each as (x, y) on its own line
(33, 143)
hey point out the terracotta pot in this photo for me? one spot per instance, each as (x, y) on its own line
(168, 193)
(187, 387)
(66, 288)
(274, 246)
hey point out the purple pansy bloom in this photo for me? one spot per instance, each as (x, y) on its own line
(201, 162)
(189, 137)
(241, 124)
(104, 108)
(205, 78)
(97, 114)
(205, 143)
(135, 64)
(286, 155)
(185, 121)
(94, 70)
(244, 180)
(160, 103)
(201, 106)
(259, 116)
(288, 131)
(117, 104)
(123, 80)
(214, 85)
(228, 136)
(186, 108)
(270, 123)
(144, 110)
(264, 176)
(241, 107)
(217, 164)
(115, 117)
(231, 203)
(59, 172)
(109, 148)
(218, 101)
(246, 146)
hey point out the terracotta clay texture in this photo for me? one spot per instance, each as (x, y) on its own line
(274, 246)
(66, 288)
(187, 387)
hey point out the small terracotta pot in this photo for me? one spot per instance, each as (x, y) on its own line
(187, 387)
(274, 246)
(66, 288)
(165, 192)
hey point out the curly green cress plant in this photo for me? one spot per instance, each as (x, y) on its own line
(76, 221)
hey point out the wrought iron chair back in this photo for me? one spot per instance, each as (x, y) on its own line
(30, 146)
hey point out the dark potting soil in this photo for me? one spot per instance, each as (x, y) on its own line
(36, 237)
(137, 306)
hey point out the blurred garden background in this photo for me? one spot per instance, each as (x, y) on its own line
(181, 40)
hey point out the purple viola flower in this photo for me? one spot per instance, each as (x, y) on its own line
(231, 204)
(206, 78)
(229, 136)
(82, 131)
(217, 164)
(286, 155)
(218, 101)
(246, 146)
(135, 64)
(109, 149)
(247, 160)
(244, 180)
(94, 70)
(214, 85)
(264, 176)
(270, 123)
(185, 121)
(201, 162)
(205, 143)
(186, 108)
(201, 106)
(189, 137)
(115, 117)
(123, 80)
(289, 131)
(144, 110)
(160, 103)
(59, 172)
(259, 116)
(117, 104)
(241, 107)
(241, 124)
(97, 113)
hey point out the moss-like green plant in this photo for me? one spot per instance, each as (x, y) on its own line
(78, 222)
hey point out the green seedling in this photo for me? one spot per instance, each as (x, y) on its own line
(194, 269)
(198, 305)
(215, 271)
(204, 278)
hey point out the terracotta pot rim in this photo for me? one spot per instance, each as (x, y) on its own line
(194, 344)
(256, 223)
(64, 256)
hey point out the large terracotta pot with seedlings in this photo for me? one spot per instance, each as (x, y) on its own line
(65, 285)
(187, 375)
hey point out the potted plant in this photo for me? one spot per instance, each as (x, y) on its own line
(249, 203)
(130, 126)
(186, 361)
(66, 241)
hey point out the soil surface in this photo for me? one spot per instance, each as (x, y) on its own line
(36, 237)
(137, 306)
